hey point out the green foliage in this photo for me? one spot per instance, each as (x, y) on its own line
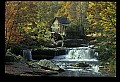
(110, 65)
(73, 27)
(8, 52)
(9, 56)
(102, 17)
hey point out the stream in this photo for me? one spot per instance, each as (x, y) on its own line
(72, 60)
(78, 55)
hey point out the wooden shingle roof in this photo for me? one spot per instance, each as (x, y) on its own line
(62, 20)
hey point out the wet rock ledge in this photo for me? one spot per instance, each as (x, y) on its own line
(21, 67)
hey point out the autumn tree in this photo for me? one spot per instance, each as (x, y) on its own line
(102, 17)
(32, 20)
(12, 35)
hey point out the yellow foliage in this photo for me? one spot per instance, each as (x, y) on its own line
(91, 4)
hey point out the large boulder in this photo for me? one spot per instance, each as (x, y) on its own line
(47, 64)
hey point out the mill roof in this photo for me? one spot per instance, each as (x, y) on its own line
(62, 20)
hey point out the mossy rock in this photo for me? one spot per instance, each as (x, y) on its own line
(47, 64)
(10, 59)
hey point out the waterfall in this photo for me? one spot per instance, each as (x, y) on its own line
(95, 68)
(74, 58)
(27, 54)
(78, 54)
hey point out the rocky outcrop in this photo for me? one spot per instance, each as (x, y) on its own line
(47, 64)
(20, 69)
(47, 53)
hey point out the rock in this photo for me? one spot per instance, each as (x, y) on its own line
(81, 64)
(47, 64)
(20, 69)
(9, 57)
(59, 43)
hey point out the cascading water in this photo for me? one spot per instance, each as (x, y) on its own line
(77, 55)
(27, 54)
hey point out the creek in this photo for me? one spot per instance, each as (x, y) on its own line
(75, 56)
(77, 62)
